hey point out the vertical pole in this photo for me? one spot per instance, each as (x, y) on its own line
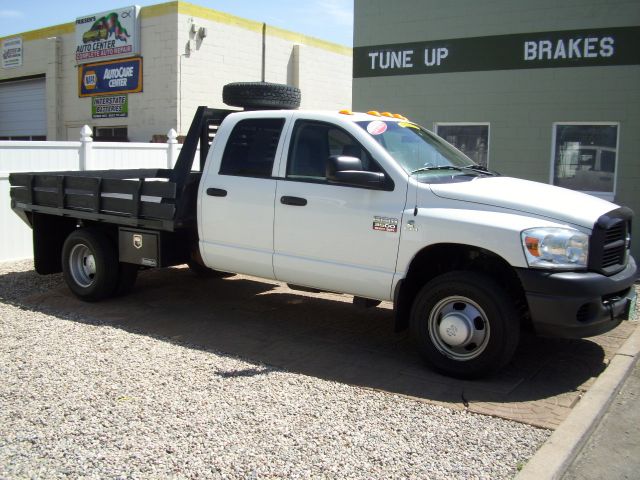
(86, 145)
(264, 49)
(172, 148)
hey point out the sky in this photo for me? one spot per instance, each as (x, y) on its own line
(330, 20)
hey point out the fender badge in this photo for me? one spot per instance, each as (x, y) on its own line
(411, 226)
(384, 224)
(137, 241)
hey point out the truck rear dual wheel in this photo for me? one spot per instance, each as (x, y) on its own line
(91, 269)
(465, 324)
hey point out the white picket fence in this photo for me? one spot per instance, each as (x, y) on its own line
(15, 235)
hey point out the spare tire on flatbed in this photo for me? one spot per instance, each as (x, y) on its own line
(261, 95)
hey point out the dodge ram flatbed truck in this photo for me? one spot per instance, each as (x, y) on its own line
(368, 204)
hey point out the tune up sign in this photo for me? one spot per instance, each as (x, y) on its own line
(119, 76)
(597, 47)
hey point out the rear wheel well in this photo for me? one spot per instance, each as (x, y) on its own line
(50, 233)
(447, 257)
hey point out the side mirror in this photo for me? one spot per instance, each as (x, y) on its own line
(345, 170)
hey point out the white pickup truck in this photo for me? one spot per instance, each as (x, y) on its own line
(367, 204)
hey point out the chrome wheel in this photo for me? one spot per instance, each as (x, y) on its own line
(459, 328)
(82, 265)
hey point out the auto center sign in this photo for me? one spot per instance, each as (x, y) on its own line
(596, 47)
(107, 35)
(118, 76)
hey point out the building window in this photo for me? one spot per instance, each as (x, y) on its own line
(110, 134)
(472, 139)
(251, 148)
(585, 156)
(37, 138)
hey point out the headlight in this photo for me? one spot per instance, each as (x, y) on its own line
(555, 248)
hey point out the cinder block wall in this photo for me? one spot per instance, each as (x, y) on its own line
(232, 52)
(176, 79)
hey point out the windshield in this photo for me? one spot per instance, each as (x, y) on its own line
(416, 149)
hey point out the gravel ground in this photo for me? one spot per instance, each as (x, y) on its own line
(83, 399)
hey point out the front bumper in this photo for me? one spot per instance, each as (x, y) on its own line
(578, 304)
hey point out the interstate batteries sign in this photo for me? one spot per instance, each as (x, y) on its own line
(571, 48)
(119, 76)
(110, 34)
(113, 106)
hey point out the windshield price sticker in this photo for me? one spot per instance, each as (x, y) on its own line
(376, 127)
(384, 224)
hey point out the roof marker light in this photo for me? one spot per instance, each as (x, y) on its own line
(401, 117)
(375, 113)
(346, 112)
(387, 114)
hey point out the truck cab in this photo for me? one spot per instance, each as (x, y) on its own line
(377, 207)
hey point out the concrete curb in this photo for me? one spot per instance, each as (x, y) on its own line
(555, 456)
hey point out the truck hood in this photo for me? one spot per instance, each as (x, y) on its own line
(530, 197)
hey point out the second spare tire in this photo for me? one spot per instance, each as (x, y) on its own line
(261, 95)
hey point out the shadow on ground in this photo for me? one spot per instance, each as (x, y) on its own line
(325, 336)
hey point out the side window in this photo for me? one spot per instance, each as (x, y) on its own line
(313, 143)
(251, 148)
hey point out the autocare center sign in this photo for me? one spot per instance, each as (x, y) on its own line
(107, 35)
(569, 48)
(103, 78)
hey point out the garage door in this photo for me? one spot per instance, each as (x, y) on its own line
(23, 110)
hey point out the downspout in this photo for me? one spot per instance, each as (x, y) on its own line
(264, 47)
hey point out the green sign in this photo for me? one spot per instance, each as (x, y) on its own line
(112, 106)
(569, 48)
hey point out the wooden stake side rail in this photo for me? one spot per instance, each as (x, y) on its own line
(114, 196)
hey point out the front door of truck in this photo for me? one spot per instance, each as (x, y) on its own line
(328, 236)
(237, 193)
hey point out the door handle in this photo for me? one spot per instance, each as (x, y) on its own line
(296, 201)
(216, 192)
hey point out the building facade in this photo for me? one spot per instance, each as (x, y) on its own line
(542, 90)
(134, 73)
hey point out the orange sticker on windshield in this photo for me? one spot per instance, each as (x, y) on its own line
(376, 127)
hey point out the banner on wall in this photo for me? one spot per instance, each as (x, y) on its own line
(107, 35)
(12, 52)
(112, 106)
(118, 76)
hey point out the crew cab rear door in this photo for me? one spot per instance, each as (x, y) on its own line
(237, 193)
(329, 236)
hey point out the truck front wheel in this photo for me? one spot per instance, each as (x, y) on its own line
(465, 324)
(90, 265)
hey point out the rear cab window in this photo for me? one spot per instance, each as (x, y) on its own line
(251, 148)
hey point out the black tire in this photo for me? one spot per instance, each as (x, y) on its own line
(476, 317)
(90, 265)
(261, 95)
(127, 275)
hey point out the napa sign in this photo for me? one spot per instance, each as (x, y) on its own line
(119, 76)
(107, 35)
